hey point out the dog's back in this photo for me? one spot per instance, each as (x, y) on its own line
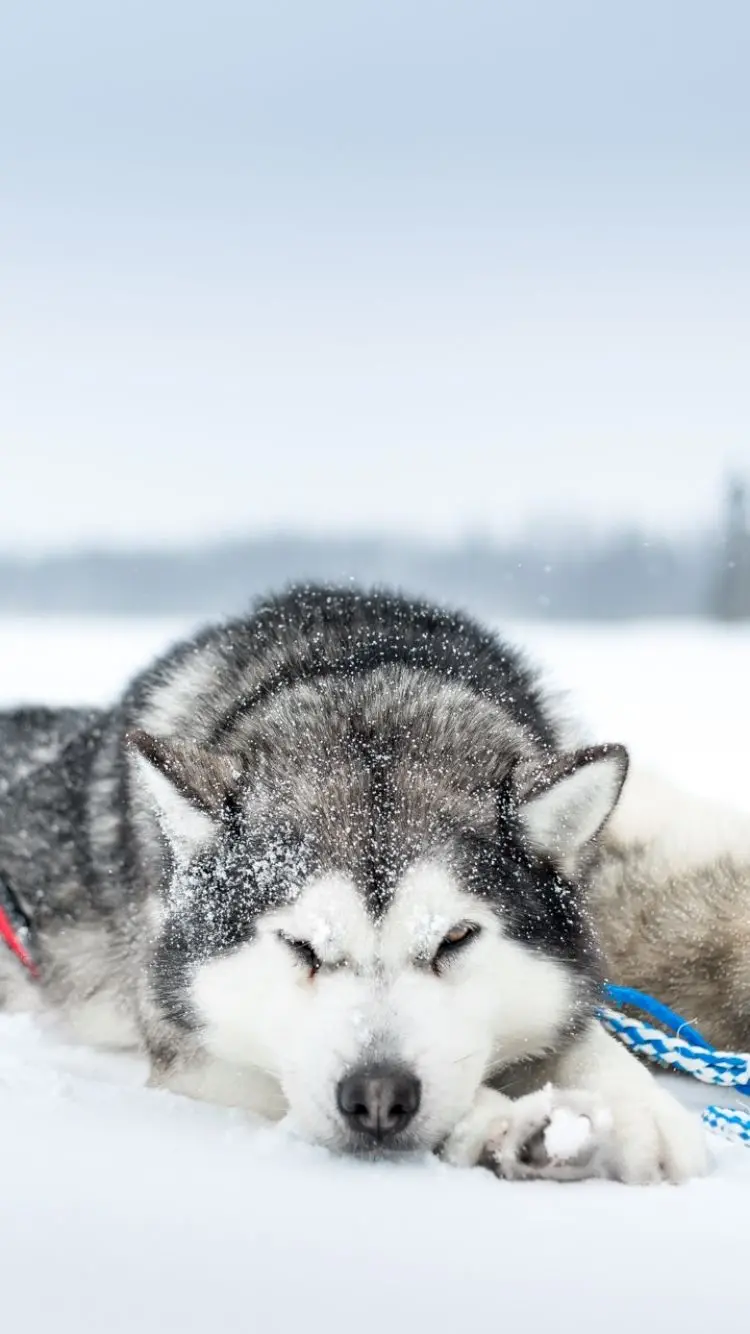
(671, 900)
(33, 737)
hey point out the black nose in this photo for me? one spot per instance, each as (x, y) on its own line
(379, 1100)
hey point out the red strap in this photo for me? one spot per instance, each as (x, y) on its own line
(11, 939)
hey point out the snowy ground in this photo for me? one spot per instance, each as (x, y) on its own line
(127, 1209)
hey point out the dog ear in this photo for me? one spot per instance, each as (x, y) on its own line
(187, 786)
(568, 803)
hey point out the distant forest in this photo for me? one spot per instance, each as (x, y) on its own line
(621, 576)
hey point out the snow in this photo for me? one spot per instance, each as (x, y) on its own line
(126, 1209)
(566, 1134)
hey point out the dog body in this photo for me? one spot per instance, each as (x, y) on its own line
(333, 860)
(671, 901)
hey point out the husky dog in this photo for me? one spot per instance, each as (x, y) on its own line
(331, 860)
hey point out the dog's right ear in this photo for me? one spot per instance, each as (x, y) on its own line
(186, 785)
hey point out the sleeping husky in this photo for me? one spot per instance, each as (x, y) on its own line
(332, 861)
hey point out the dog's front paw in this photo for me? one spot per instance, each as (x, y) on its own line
(655, 1139)
(553, 1135)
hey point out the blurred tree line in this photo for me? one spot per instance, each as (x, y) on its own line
(730, 595)
(563, 576)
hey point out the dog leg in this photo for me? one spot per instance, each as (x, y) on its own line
(216, 1082)
(653, 1138)
(605, 1116)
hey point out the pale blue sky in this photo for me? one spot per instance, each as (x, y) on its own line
(414, 266)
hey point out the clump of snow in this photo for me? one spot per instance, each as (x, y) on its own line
(567, 1134)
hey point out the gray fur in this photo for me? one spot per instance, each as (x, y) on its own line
(683, 939)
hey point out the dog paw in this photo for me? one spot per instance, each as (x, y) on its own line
(654, 1138)
(553, 1135)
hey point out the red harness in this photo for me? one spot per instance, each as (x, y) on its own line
(15, 928)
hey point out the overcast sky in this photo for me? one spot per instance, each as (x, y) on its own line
(408, 266)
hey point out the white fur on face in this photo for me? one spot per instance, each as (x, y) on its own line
(377, 997)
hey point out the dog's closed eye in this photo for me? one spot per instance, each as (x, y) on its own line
(453, 942)
(304, 952)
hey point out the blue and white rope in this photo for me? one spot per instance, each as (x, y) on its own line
(684, 1050)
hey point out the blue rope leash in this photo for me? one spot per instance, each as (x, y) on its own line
(684, 1049)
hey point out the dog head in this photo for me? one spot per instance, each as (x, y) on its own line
(377, 936)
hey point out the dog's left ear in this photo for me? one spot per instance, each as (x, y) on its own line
(187, 786)
(568, 803)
